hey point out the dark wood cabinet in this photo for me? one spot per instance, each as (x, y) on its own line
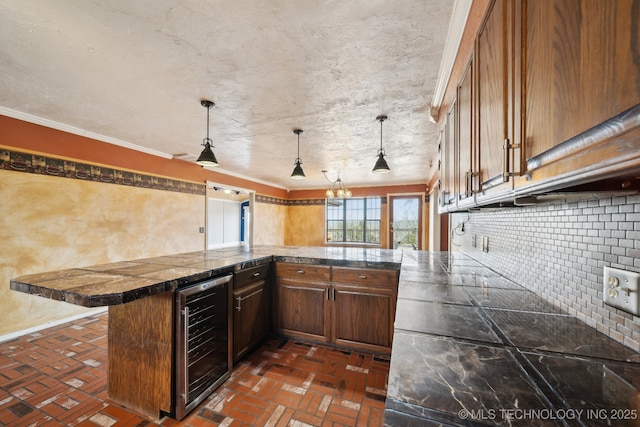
(447, 165)
(302, 309)
(251, 308)
(549, 99)
(363, 309)
(495, 142)
(344, 306)
(581, 62)
(302, 301)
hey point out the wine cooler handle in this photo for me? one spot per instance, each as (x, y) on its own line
(186, 352)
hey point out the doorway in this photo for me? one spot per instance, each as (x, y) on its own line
(228, 216)
(405, 222)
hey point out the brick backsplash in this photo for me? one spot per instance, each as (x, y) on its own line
(559, 250)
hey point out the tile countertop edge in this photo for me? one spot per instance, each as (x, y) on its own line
(93, 294)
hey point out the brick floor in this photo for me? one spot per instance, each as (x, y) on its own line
(58, 377)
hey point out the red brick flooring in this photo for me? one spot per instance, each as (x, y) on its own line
(58, 377)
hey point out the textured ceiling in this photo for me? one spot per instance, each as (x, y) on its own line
(137, 70)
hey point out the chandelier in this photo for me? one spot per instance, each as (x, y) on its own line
(337, 189)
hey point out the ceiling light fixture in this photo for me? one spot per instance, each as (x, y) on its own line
(298, 173)
(381, 164)
(207, 158)
(337, 189)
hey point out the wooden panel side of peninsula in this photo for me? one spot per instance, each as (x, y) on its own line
(140, 354)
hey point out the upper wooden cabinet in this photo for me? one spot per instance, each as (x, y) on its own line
(494, 63)
(448, 150)
(581, 62)
(549, 99)
(465, 130)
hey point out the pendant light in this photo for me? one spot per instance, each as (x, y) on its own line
(207, 158)
(298, 173)
(381, 164)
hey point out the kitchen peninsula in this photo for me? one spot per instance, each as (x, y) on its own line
(470, 347)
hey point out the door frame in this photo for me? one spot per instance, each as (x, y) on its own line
(421, 225)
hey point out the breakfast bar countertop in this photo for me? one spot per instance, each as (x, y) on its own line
(125, 281)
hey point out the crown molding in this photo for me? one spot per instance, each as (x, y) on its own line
(461, 10)
(77, 131)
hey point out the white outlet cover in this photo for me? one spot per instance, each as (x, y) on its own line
(622, 292)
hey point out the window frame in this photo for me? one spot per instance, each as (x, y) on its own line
(365, 219)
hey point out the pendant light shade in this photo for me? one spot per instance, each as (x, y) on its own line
(298, 173)
(381, 165)
(207, 158)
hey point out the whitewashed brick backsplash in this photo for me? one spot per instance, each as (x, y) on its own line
(559, 250)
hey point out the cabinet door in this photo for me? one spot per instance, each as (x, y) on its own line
(363, 317)
(580, 61)
(250, 317)
(466, 137)
(492, 65)
(302, 309)
(448, 161)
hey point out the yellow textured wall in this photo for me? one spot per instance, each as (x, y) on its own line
(50, 223)
(269, 223)
(305, 225)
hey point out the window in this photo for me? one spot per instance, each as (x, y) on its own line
(353, 220)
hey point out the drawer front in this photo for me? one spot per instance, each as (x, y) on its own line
(370, 277)
(303, 271)
(251, 275)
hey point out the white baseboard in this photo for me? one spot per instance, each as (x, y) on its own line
(12, 335)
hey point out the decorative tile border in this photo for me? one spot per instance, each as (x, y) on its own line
(277, 201)
(43, 165)
(298, 202)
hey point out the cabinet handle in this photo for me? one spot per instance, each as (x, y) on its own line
(328, 294)
(256, 274)
(300, 271)
(506, 169)
(505, 161)
(252, 294)
(334, 293)
(362, 276)
(468, 177)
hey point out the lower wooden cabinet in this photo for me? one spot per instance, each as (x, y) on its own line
(363, 317)
(251, 308)
(250, 317)
(344, 306)
(302, 309)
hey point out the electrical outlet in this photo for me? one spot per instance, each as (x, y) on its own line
(621, 289)
(201, 230)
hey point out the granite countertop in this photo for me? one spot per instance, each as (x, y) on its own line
(122, 282)
(473, 348)
(470, 348)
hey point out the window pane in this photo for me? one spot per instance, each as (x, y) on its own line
(353, 220)
(373, 232)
